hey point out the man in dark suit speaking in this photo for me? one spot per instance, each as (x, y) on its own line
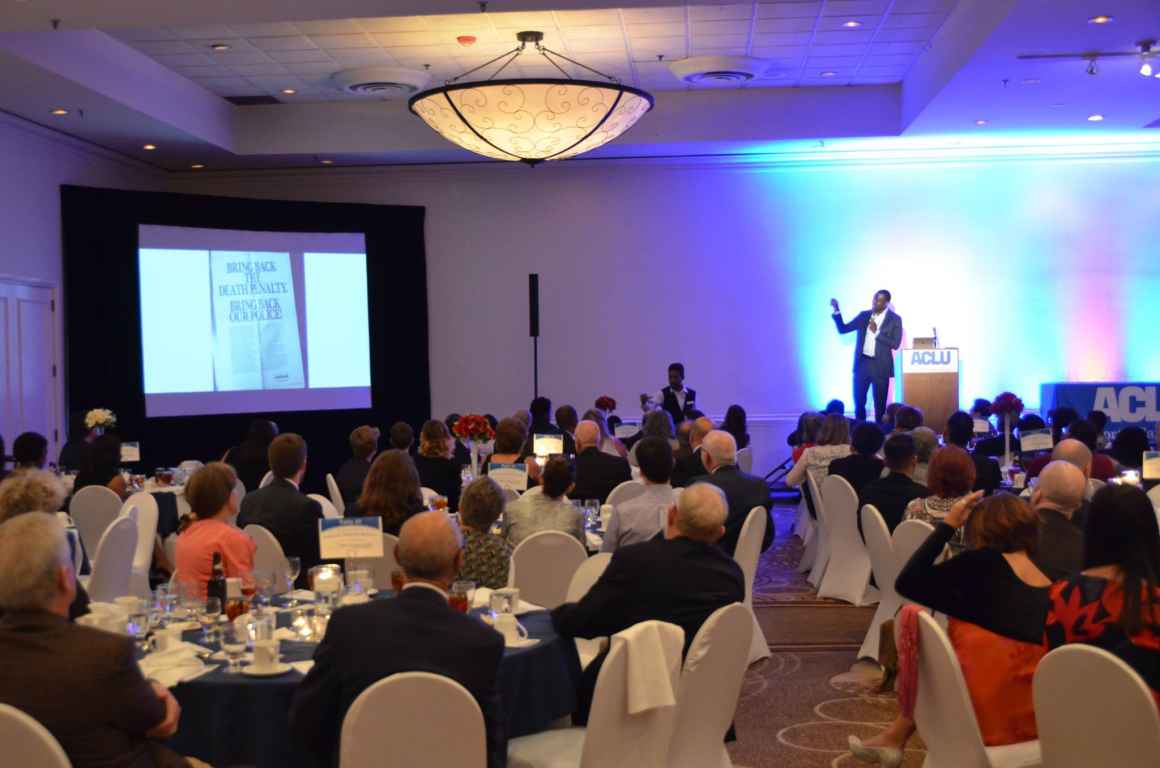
(879, 334)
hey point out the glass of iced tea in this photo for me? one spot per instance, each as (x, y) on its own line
(397, 580)
(460, 596)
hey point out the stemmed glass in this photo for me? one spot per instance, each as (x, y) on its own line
(140, 623)
(207, 616)
(166, 601)
(293, 568)
(234, 639)
(264, 588)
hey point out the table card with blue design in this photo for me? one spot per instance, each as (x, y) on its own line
(513, 477)
(350, 537)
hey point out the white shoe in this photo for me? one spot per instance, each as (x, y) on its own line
(889, 757)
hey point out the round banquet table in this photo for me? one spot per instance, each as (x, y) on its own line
(234, 719)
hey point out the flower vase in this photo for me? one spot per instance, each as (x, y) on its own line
(473, 446)
(1006, 442)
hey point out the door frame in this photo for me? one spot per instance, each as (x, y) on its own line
(54, 439)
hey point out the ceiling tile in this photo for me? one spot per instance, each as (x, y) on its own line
(720, 41)
(788, 10)
(913, 21)
(143, 33)
(329, 27)
(243, 58)
(595, 45)
(880, 71)
(833, 62)
(541, 20)
(230, 86)
(923, 6)
(654, 15)
(902, 36)
(247, 70)
(236, 45)
(854, 8)
(357, 57)
(587, 18)
(802, 24)
(275, 84)
(796, 38)
(296, 57)
(844, 37)
(293, 43)
(721, 12)
(394, 39)
(271, 29)
(330, 42)
(203, 72)
(834, 24)
(186, 60)
(205, 32)
(890, 61)
(394, 24)
(735, 50)
(665, 29)
(898, 48)
(736, 27)
(650, 47)
(593, 33)
(780, 53)
(318, 68)
(163, 47)
(459, 23)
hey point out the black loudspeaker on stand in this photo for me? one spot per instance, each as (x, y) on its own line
(534, 329)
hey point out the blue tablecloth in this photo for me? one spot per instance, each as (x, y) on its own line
(232, 719)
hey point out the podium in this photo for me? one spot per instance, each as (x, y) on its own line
(930, 381)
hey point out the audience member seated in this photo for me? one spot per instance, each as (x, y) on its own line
(862, 466)
(657, 423)
(925, 444)
(401, 437)
(833, 442)
(683, 450)
(104, 467)
(391, 491)
(281, 507)
(1079, 456)
(680, 578)
(29, 451)
(806, 434)
(981, 411)
(951, 477)
(891, 412)
(907, 419)
(996, 446)
(567, 419)
(34, 490)
(960, 429)
(437, 469)
(1129, 446)
(1112, 602)
(251, 458)
(995, 599)
(460, 452)
(687, 469)
(641, 517)
(743, 491)
(80, 683)
(735, 424)
(1102, 468)
(486, 556)
(1057, 498)
(890, 495)
(540, 412)
(608, 442)
(415, 632)
(210, 529)
(509, 442)
(74, 454)
(597, 473)
(364, 444)
(1099, 420)
(1061, 418)
(546, 508)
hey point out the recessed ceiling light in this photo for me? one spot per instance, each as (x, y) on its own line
(326, 162)
(1101, 19)
(149, 147)
(60, 111)
(829, 73)
(289, 91)
(1096, 118)
(981, 122)
(1031, 81)
(219, 47)
(197, 166)
(851, 24)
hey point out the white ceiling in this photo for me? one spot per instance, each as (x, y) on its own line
(802, 39)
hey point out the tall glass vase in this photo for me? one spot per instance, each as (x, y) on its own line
(473, 447)
(1006, 441)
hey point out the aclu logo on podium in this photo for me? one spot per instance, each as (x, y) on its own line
(930, 360)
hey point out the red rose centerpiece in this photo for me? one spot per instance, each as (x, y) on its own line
(606, 404)
(1008, 406)
(474, 429)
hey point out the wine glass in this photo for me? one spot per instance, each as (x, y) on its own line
(234, 640)
(207, 616)
(293, 568)
(264, 588)
(140, 623)
(166, 601)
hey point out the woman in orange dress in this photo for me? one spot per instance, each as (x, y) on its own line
(995, 598)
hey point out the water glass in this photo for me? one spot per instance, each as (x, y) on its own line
(234, 639)
(139, 624)
(591, 513)
(207, 616)
(167, 600)
(359, 581)
(293, 569)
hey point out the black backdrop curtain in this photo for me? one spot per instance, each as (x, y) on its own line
(102, 317)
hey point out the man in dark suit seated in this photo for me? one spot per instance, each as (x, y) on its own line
(862, 466)
(742, 491)
(960, 429)
(282, 509)
(364, 444)
(689, 468)
(82, 684)
(1056, 499)
(597, 473)
(415, 632)
(892, 493)
(681, 578)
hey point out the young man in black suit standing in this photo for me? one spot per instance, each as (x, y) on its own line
(879, 334)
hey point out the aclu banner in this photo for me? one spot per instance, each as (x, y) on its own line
(944, 360)
(1126, 404)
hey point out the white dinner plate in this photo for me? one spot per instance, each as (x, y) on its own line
(526, 642)
(274, 671)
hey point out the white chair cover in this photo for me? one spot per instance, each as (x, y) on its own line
(27, 742)
(413, 719)
(586, 575)
(428, 495)
(113, 562)
(542, 567)
(848, 576)
(617, 738)
(328, 510)
(629, 489)
(146, 519)
(269, 557)
(380, 567)
(885, 569)
(1093, 709)
(821, 534)
(239, 492)
(266, 479)
(747, 554)
(335, 494)
(908, 537)
(710, 687)
(92, 509)
(745, 459)
(945, 716)
(508, 495)
(190, 465)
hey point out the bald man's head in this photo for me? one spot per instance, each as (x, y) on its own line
(700, 428)
(699, 514)
(1061, 487)
(587, 435)
(1075, 453)
(429, 549)
(719, 449)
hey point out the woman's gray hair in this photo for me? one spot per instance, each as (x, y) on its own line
(658, 424)
(31, 490)
(33, 548)
(925, 443)
(481, 504)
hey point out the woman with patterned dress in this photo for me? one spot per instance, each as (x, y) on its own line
(486, 556)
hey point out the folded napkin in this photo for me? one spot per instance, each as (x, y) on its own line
(653, 650)
(482, 599)
(302, 666)
(301, 594)
(174, 666)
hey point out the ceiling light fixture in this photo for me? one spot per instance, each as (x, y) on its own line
(219, 47)
(829, 73)
(852, 24)
(1031, 81)
(1096, 118)
(197, 166)
(981, 122)
(1101, 19)
(531, 119)
(289, 91)
(149, 147)
(327, 162)
(1146, 57)
(60, 111)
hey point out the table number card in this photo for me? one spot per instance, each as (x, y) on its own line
(1151, 467)
(130, 453)
(514, 477)
(547, 445)
(350, 537)
(625, 431)
(1035, 440)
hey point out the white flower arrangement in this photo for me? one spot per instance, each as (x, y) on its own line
(100, 417)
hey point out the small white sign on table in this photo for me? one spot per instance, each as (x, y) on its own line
(513, 477)
(1151, 468)
(130, 453)
(1035, 440)
(547, 445)
(350, 537)
(625, 431)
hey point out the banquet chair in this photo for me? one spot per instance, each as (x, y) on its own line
(1093, 709)
(266, 479)
(380, 567)
(146, 519)
(586, 575)
(848, 576)
(113, 562)
(542, 567)
(269, 556)
(618, 738)
(945, 716)
(328, 509)
(627, 490)
(745, 459)
(805, 527)
(92, 509)
(710, 687)
(413, 719)
(335, 494)
(27, 742)
(885, 568)
(508, 495)
(907, 538)
(821, 533)
(747, 554)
